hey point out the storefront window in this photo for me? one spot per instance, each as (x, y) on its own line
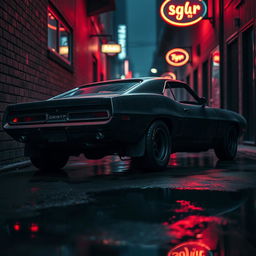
(52, 32)
(59, 37)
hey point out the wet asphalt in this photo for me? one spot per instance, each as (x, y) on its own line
(198, 206)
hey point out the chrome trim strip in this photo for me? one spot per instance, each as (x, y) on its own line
(10, 127)
(47, 121)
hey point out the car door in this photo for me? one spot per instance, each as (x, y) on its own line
(199, 120)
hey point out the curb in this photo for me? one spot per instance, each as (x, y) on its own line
(14, 166)
(249, 151)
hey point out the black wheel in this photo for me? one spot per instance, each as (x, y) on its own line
(158, 148)
(226, 148)
(48, 160)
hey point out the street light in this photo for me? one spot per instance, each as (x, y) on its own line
(154, 70)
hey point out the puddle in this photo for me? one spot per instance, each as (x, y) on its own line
(139, 222)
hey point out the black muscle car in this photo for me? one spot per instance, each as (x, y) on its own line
(146, 119)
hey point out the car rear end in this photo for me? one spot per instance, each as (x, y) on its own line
(71, 121)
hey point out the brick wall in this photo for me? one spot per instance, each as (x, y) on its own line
(26, 72)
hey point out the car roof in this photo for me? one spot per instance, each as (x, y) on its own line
(140, 79)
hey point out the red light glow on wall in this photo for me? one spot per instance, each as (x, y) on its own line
(190, 248)
(183, 13)
(177, 57)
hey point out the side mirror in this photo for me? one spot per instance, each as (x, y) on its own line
(202, 101)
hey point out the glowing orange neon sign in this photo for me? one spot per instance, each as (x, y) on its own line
(216, 58)
(177, 57)
(191, 249)
(183, 12)
(169, 75)
(111, 48)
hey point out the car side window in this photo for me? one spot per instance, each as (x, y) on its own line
(168, 93)
(182, 94)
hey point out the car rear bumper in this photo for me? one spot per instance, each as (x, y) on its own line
(114, 130)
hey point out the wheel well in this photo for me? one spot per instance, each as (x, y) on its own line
(238, 128)
(167, 121)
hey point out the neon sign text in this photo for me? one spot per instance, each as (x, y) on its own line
(180, 11)
(122, 38)
(183, 12)
(177, 57)
(111, 48)
(190, 249)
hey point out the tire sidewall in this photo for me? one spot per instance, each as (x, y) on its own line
(226, 149)
(152, 161)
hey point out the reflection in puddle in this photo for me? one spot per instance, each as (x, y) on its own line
(139, 222)
(80, 168)
(190, 249)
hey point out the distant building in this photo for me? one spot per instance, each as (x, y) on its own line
(47, 47)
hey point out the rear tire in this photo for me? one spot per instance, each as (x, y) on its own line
(49, 160)
(158, 148)
(226, 148)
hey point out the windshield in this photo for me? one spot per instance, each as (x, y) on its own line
(104, 88)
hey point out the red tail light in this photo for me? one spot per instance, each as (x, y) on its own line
(34, 228)
(15, 120)
(101, 114)
(16, 227)
(27, 119)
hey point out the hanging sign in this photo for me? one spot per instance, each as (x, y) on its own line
(111, 48)
(191, 248)
(177, 57)
(169, 75)
(183, 13)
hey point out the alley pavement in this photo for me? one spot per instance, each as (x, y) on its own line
(108, 207)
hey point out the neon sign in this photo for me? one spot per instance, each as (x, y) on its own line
(177, 57)
(183, 13)
(122, 35)
(169, 75)
(111, 48)
(190, 249)
(216, 58)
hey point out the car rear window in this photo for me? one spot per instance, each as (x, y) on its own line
(104, 88)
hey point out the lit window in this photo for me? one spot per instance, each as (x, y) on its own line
(59, 37)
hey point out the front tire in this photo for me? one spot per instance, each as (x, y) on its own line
(158, 148)
(226, 148)
(49, 160)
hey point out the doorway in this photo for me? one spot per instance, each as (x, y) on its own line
(232, 76)
(248, 92)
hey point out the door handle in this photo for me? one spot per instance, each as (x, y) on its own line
(186, 109)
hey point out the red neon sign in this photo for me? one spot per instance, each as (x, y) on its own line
(190, 248)
(183, 13)
(216, 58)
(177, 57)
